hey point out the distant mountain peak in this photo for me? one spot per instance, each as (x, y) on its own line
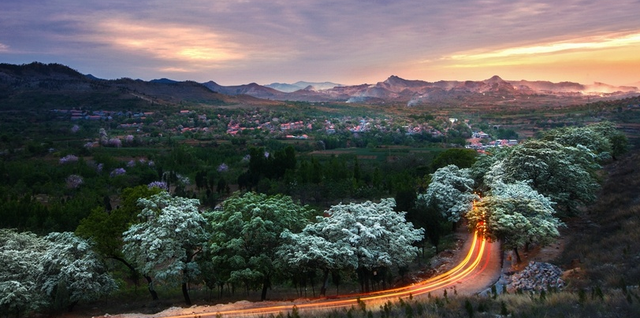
(495, 79)
(302, 85)
(164, 80)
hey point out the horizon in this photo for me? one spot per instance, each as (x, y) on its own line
(293, 83)
(236, 42)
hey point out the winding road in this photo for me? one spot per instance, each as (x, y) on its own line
(476, 271)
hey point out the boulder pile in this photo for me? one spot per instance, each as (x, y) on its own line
(536, 277)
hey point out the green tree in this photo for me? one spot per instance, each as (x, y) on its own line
(246, 234)
(105, 228)
(564, 174)
(463, 158)
(428, 217)
(603, 139)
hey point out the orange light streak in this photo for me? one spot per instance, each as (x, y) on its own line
(466, 269)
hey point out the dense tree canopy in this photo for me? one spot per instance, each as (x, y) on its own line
(603, 139)
(565, 174)
(369, 237)
(56, 272)
(515, 214)
(165, 243)
(451, 191)
(246, 234)
(20, 255)
(72, 271)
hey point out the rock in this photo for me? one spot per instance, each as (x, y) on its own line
(536, 277)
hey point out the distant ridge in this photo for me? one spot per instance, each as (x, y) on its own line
(415, 92)
(39, 85)
(164, 80)
(18, 81)
(289, 88)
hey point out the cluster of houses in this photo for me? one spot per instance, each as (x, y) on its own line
(477, 144)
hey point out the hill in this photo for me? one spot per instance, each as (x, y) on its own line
(56, 85)
(39, 85)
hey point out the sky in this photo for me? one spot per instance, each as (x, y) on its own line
(349, 42)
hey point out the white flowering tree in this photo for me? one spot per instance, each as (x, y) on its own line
(172, 232)
(246, 234)
(369, 237)
(317, 247)
(566, 175)
(451, 192)
(72, 271)
(603, 139)
(516, 215)
(105, 229)
(20, 255)
(55, 271)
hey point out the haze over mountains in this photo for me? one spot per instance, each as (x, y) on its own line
(288, 88)
(398, 89)
(37, 77)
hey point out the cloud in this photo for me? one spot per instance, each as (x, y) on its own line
(173, 43)
(583, 44)
(343, 41)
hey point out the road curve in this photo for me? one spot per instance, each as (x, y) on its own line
(476, 271)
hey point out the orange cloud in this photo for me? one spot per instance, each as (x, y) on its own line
(187, 44)
(610, 41)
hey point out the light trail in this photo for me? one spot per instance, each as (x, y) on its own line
(467, 269)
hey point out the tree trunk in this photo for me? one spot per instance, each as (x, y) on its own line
(515, 250)
(365, 280)
(185, 293)
(134, 272)
(266, 284)
(152, 290)
(325, 281)
(335, 276)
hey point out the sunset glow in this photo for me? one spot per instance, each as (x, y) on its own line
(596, 43)
(171, 43)
(239, 42)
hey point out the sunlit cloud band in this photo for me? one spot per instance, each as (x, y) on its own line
(592, 43)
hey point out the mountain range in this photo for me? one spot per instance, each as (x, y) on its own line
(289, 88)
(413, 92)
(60, 80)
